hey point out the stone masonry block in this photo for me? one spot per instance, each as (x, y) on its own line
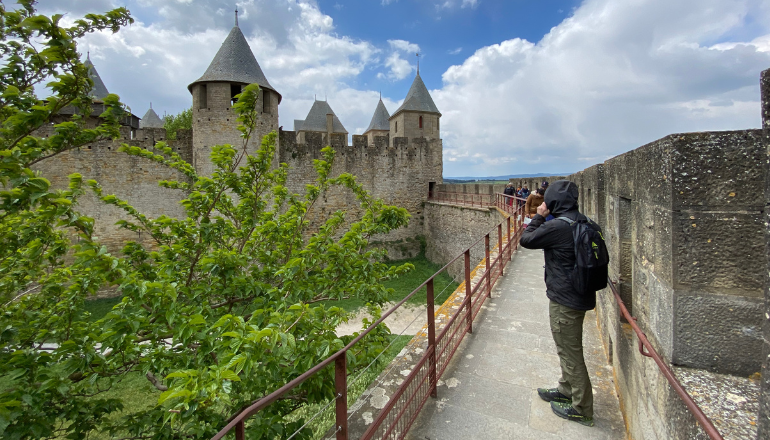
(720, 333)
(620, 172)
(653, 173)
(718, 170)
(715, 252)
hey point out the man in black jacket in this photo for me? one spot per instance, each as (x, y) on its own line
(573, 398)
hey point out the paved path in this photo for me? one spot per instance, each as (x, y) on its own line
(490, 389)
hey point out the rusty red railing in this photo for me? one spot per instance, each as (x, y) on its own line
(480, 200)
(395, 419)
(644, 343)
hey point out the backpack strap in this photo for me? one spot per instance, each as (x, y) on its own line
(568, 220)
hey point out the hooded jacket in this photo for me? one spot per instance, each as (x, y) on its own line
(555, 238)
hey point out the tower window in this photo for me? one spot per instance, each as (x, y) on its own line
(396, 126)
(235, 89)
(202, 96)
(420, 121)
(438, 120)
(265, 101)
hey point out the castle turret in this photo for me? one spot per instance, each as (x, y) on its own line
(379, 125)
(99, 90)
(321, 119)
(418, 116)
(214, 121)
(151, 120)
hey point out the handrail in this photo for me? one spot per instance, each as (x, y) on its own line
(339, 358)
(701, 418)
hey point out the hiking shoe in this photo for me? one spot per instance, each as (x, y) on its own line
(553, 395)
(566, 411)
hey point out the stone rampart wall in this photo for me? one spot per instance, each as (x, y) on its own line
(131, 178)
(450, 229)
(400, 176)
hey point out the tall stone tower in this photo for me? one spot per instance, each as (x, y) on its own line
(418, 116)
(214, 121)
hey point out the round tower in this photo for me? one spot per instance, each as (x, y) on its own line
(213, 95)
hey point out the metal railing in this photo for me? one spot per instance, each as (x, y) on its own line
(644, 343)
(395, 419)
(480, 200)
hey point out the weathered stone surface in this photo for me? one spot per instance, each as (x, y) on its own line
(713, 250)
(718, 332)
(451, 229)
(717, 170)
(764, 404)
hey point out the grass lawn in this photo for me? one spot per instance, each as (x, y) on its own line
(404, 285)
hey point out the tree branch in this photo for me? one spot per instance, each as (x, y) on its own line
(156, 382)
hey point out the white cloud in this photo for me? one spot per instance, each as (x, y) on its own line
(610, 78)
(452, 4)
(399, 68)
(455, 51)
(404, 46)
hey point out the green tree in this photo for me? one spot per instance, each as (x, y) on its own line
(219, 312)
(182, 120)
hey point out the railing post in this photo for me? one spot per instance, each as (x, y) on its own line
(431, 340)
(240, 431)
(341, 391)
(489, 266)
(500, 247)
(468, 289)
(510, 245)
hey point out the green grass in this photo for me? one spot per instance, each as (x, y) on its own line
(443, 286)
(99, 307)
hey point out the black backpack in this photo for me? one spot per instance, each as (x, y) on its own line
(591, 256)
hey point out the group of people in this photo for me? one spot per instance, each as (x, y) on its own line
(531, 200)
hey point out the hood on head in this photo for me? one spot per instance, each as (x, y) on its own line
(561, 197)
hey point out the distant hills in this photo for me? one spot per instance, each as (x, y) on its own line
(506, 177)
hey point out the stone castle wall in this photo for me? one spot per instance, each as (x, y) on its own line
(133, 179)
(451, 229)
(398, 175)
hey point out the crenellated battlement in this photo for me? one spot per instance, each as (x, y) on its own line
(426, 151)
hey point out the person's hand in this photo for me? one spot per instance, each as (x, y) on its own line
(543, 210)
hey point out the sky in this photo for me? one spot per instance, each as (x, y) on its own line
(524, 86)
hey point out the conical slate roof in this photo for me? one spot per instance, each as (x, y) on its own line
(380, 118)
(316, 119)
(151, 120)
(235, 62)
(418, 99)
(99, 90)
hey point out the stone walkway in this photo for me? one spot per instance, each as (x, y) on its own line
(490, 389)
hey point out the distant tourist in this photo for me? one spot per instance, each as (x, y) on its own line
(573, 398)
(544, 185)
(533, 201)
(509, 191)
(523, 196)
(524, 192)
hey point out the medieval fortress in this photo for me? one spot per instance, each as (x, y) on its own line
(398, 158)
(685, 217)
